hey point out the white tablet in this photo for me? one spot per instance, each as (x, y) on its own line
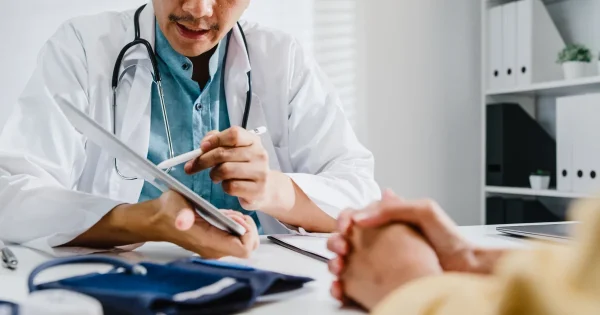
(146, 169)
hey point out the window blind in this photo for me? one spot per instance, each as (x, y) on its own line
(335, 48)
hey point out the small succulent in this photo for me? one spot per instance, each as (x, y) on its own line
(575, 52)
(541, 173)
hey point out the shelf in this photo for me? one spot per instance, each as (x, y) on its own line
(546, 2)
(555, 88)
(531, 192)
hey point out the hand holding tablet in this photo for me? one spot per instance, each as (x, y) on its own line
(147, 170)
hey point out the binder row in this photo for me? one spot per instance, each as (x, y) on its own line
(578, 143)
(523, 44)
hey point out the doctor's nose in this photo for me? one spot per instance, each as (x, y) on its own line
(199, 8)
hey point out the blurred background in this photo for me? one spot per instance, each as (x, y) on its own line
(416, 78)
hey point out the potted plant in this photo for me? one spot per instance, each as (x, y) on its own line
(575, 59)
(540, 180)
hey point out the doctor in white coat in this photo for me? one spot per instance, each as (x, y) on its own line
(58, 189)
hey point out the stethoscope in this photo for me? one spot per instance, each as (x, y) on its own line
(158, 81)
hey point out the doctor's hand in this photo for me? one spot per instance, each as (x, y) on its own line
(174, 221)
(239, 162)
(383, 259)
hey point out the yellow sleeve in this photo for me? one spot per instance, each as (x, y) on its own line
(549, 279)
(446, 294)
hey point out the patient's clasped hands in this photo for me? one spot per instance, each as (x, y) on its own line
(395, 241)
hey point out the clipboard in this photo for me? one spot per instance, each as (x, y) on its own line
(312, 246)
(146, 169)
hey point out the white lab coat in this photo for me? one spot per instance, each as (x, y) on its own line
(54, 184)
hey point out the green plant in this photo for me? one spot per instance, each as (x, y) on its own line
(541, 173)
(575, 52)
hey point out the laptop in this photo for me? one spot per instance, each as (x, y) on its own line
(560, 232)
(146, 169)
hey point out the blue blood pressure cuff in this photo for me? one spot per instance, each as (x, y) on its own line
(8, 308)
(189, 286)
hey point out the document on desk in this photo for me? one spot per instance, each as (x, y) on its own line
(312, 246)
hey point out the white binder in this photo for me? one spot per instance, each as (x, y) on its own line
(509, 43)
(495, 75)
(538, 43)
(579, 108)
(585, 111)
(564, 142)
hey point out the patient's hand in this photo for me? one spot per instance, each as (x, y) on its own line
(382, 259)
(454, 251)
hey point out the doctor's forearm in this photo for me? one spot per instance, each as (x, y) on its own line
(123, 225)
(292, 206)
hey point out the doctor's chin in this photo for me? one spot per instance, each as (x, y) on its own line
(339, 157)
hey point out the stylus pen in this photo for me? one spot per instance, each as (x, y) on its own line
(196, 153)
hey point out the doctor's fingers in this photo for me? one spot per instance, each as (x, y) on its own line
(239, 218)
(251, 238)
(213, 243)
(242, 171)
(233, 137)
(249, 192)
(225, 154)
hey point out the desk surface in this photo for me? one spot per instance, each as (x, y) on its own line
(313, 299)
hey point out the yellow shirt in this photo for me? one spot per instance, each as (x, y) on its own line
(549, 279)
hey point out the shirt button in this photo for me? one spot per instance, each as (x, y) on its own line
(198, 106)
(185, 66)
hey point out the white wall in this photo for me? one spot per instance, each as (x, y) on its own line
(25, 26)
(422, 100)
(292, 16)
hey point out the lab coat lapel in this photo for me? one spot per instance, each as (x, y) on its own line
(135, 87)
(236, 82)
(236, 88)
(133, 103)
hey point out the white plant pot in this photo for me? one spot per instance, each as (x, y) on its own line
(575, 69)
(538, 182)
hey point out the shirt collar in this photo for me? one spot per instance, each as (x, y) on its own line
(181, 64)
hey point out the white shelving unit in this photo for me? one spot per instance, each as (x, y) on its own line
(532, 94)
(531, 192)
(555, 88)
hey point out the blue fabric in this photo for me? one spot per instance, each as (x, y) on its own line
(221, 264)
(124, 293)
(8, 308)
(193, 112)
(265, 282)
